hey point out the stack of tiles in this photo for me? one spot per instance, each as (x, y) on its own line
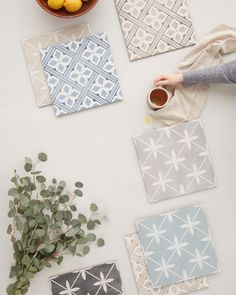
(172, 253)
(81, 74)
(32, 48)
(72, 73)
(101, 279)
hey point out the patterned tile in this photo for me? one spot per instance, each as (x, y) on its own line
(143, 282)
(81, 74)
(177, 246)
(174, 161)
(31, 49)
(97, 280)
(152, 27)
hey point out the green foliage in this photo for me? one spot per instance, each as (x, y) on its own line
(46, 224)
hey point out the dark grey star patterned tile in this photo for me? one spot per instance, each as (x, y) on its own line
(103, 279)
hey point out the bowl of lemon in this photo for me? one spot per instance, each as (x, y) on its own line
(67, 8)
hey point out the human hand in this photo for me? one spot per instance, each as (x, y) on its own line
(168, 80)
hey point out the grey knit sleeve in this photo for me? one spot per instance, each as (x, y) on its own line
(222, 73)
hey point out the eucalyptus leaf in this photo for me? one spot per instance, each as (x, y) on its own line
(79, 184)
(73, 208)
(91, 225)
(28, 167)
(42, 157)
(39, 233)
(40, 178)
(86, 250)
(9, 229)
(82, 218)
(93, 207)
(78, 192)
(100, 242)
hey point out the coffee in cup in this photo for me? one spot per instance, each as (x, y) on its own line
(158, 98)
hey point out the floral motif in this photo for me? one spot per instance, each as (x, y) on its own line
(68, 96)
(134, 7)
(59, 61)
(81, 74)
(155, 18)
(142, 39)
(102, 86)
(93, 53)
(176, 31)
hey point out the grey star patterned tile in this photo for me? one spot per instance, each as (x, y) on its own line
(31, 49)
(152, 27)
(177, 246)
(81, 74)
(103, 279)
(174, 161)
(144, 286)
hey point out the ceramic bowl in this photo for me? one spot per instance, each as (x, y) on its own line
(87, 5)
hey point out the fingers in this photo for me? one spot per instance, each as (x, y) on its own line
(160, 77)
(161, 83)
(161, 80)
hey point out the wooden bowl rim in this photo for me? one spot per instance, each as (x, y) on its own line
(73, 15)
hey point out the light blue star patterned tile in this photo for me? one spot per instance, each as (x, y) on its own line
(174, 161)
(81, 74)
(177, 246)
(101, 279)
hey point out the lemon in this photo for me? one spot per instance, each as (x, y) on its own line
(55, 4)
(73, 5)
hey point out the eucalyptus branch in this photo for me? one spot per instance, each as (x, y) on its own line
(45, 224)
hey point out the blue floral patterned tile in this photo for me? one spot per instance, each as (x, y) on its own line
(103, 279)
(81, 74)
(177, 246)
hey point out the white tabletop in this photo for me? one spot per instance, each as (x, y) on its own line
(96, 146)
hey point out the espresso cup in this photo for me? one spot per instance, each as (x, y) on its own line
(158, 98)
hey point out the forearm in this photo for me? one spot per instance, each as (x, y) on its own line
(223, 73)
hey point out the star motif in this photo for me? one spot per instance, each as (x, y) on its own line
(199, 259)
(69, 290)
(162, 182)
(165, 267)
(175, 161)
(103, 282)
(188, 139)
(190, 224)
(177, 246)
(152, 147)
(196, 173)
(156, 233)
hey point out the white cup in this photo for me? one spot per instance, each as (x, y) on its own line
(158, 98)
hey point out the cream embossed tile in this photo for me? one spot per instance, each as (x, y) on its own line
(31, 48)
(144, 286)
(152, 27)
